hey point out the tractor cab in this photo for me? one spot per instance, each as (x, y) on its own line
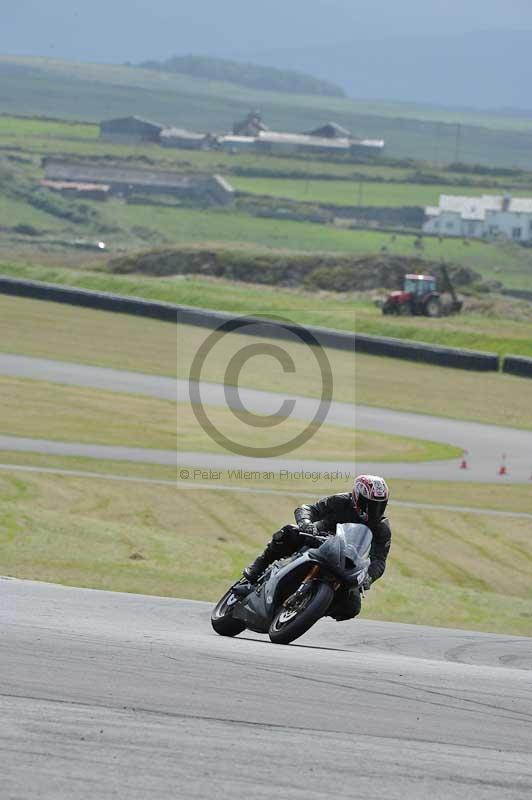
(419, 285)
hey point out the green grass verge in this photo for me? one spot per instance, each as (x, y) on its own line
(493, 328)
(157, 540)
(52, 330)
(107, 467)
(43, 410)
(83, 335)
(377, 381)
(29, 408)
(513, 498)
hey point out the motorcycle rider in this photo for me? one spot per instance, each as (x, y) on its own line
(365, 504)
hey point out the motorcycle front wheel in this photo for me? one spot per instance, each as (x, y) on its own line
(291, 623)
(221, 618)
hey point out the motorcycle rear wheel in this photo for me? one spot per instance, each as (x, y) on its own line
(221, 616)
(287, 626)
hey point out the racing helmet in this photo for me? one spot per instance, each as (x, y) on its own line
(370, 497)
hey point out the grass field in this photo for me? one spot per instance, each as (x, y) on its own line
(36, 136)
(129, 227)
(50, 330)
(358, 193)
(88, 91)
(506, 262)
(16, 212)
(131, 537)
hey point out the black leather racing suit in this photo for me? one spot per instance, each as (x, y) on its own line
(326, 514)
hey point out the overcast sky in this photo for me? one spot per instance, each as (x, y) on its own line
(120, 30)
(442, 52)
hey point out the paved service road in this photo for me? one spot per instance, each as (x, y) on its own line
(485, 444)
(113, 695)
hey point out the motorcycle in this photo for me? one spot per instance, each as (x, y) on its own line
(294, 593)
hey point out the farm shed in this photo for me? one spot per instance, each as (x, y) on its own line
(331, 130)
(274, 142)
(88, 191)
(237, 144)
(130, 130)
(366, 147)
(187, 140)
(125, 181)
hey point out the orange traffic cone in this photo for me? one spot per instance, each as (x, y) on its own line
(502, 469)
(463, 462)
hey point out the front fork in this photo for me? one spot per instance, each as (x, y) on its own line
(312, 573)
(305, 586)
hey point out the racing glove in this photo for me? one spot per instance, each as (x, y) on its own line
(308, 527)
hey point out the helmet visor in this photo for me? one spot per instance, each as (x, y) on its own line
(372, 509)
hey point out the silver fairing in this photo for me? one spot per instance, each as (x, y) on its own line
(346, 555)
(258, 608)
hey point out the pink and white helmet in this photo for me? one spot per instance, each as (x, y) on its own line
(370, 497)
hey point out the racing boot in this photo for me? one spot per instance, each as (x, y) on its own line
(253, 572)
(284, 542)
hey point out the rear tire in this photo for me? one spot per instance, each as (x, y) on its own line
(285, 628)
(221, 616)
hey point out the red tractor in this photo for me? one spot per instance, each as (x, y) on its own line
(418, 296)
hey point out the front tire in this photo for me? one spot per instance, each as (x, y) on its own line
(432, 307)
(288, 625)
(221, 616)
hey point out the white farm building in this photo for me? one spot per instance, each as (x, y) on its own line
(485, 217)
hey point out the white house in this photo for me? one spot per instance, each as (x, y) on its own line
(485, 217)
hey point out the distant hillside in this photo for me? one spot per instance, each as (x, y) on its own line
(480, 69)
(92, 92)
(252, 76)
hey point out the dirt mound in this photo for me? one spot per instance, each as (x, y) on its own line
(331, 272)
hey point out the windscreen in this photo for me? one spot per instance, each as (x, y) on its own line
(358, 540)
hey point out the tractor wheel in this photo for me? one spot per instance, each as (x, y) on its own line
(432, 307)
(404, 310)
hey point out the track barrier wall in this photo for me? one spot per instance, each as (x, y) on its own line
(518, 365)
(360, 343)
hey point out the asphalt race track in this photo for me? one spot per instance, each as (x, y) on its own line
(485, 444)
(113, 695)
